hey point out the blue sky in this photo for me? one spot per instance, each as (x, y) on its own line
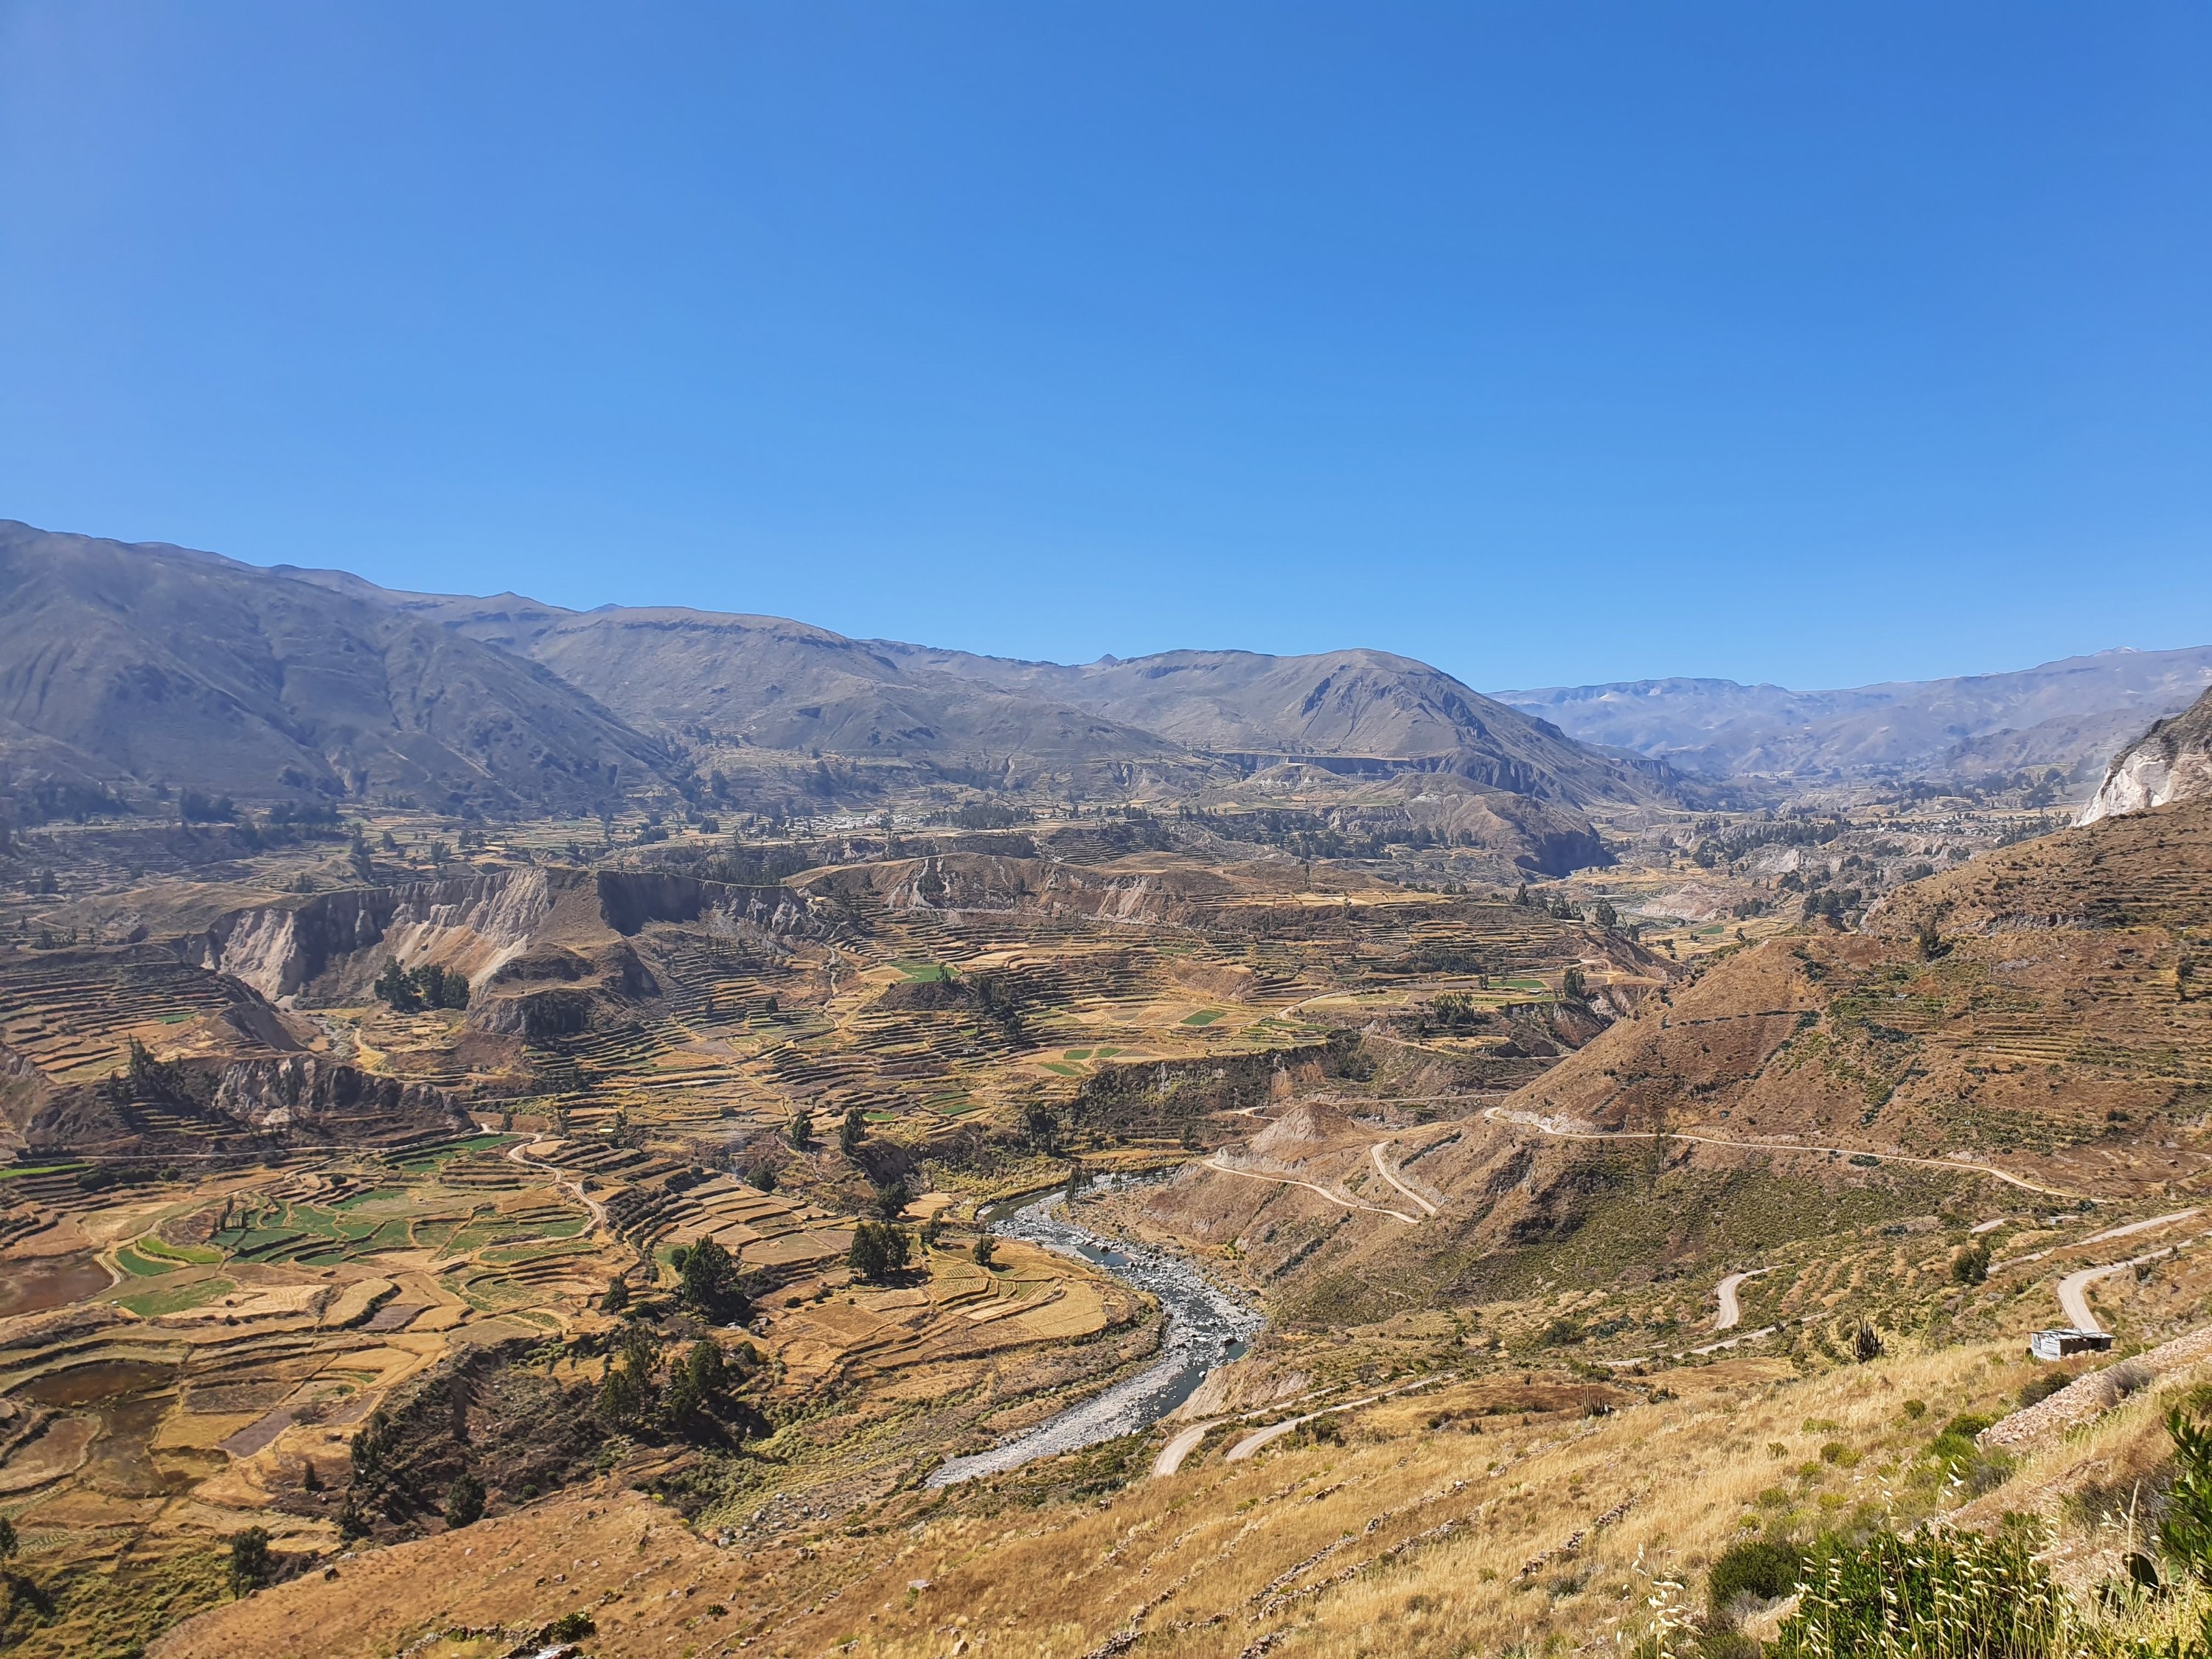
(1549, 342)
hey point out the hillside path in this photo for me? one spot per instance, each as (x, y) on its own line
(1172, 1454)
(520, 1153)
(1215, 1163)
(1383, 1169)
(1530, 1121)
(1732, 1314)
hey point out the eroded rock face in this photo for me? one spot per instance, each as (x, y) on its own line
(473, 923)
(2171, 762)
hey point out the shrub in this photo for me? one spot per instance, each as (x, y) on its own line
(2186, 1535)
(1934, 1594)
(569, 1627)
(1759, 1567)
(1972, 1265)
(464, 1501)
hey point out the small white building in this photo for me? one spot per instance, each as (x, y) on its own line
(2065, 1342)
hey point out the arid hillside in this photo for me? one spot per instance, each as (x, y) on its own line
(154, 666)
(2038, 1009)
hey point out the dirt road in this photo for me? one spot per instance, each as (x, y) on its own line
(1731, 1314)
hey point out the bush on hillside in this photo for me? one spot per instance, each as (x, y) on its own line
(1930, 1594)
(1759, 1569)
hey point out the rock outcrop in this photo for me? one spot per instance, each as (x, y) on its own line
(2171, 762)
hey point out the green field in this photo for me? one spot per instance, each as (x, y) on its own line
(1205, 1017)
(924, 973)
(197, 1255)
(176, 1298)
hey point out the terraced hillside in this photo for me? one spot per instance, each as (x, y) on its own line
(1517, 1196)
(263, 1219)
(2036, 1009)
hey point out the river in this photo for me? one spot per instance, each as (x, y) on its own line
(1206, 1326)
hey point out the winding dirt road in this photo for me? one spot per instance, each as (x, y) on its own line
(1530, 1121)
(1383, 1169)
(520, 1153)
(1215, 1163)
(1731, 1313)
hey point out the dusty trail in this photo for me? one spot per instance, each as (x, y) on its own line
(1383, 1169)
(520, 1153)
(1215, 1163)
(1172, 1454)
(1731, 1314)
(1530, 1121)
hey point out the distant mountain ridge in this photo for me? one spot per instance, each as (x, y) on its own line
(786, 685)
(2071, 714)
(160, 665)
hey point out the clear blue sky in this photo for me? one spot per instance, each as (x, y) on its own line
(1816, 343)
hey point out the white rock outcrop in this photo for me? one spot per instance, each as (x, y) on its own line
(2171, 762)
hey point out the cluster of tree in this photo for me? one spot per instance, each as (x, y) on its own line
(708, 1281)
(697, 1399)
(1041, 1125)
(45, 802)
(1555, 904)
(144, 1078)
(878, 1250)
(195, 807)
(1720, 845)
(427, 986)
(1835, 905)
(755, 866)
(1451, 1014)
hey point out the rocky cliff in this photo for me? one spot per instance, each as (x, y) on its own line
(2171, 762)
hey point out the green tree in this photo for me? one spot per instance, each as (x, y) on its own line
(629, 1396)
(396, 986)
(8, 1542)
(891, 1199)
(802, 1130)
(1571, 985)
(853, 1131)
(464, 1501)
(250, 1562)
(987, 1250)
(1605, 915)
(878, 1250)
(617, 1296)
(708, 1280)
(1041, 1124)
(1972, 1265)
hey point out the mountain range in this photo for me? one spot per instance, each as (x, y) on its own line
(145, 664)
(136, 666)
(2073, 714)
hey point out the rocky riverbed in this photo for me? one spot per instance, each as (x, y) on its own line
(1207, 1326)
